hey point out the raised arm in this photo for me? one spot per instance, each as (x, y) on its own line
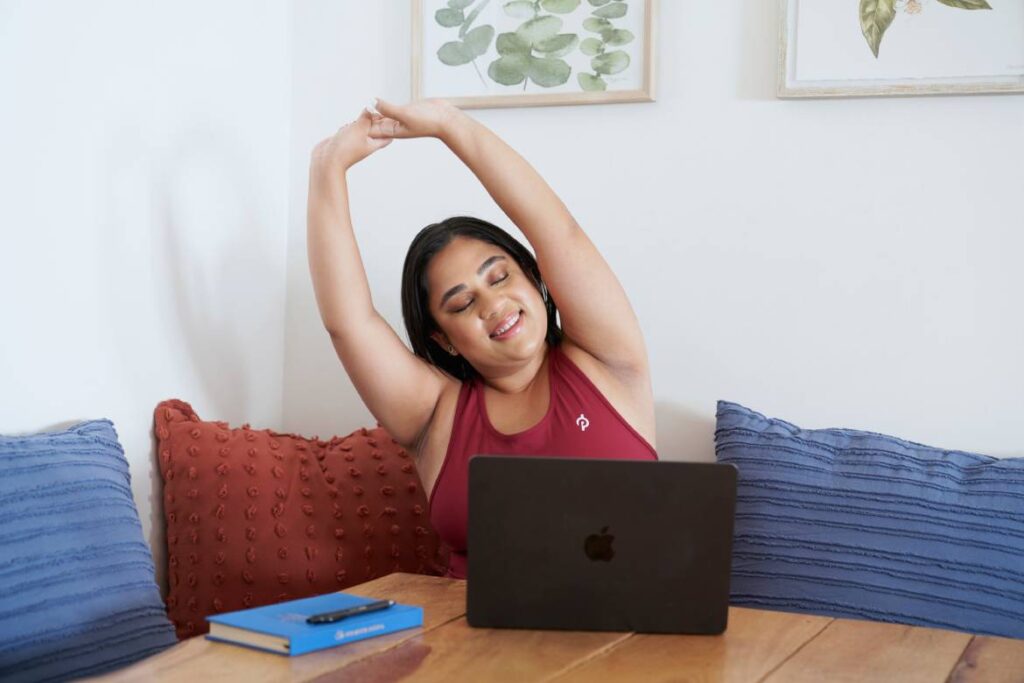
(399, 388)
(596, 314)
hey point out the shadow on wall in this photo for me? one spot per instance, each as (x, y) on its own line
(759, 51)
(184, 298)
(683, 434)
(208, 280)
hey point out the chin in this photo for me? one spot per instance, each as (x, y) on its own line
(519, 350)
(529, 346)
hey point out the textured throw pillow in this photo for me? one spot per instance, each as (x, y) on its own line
(77, 588)
(256, 517)
(856, 524)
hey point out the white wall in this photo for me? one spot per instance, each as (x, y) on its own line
(144, 183)
(834, 263)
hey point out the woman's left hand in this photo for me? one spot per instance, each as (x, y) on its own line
(422, 119)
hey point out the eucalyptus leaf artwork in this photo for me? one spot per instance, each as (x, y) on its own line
(537, 49)
(471, 43)
(877, 15)
(603, 61)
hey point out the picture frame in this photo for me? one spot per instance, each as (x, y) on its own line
(516, 53)
(859, 48)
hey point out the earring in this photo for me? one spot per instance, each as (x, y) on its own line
(451, 349)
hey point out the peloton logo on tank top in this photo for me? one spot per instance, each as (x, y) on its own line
(582, 422)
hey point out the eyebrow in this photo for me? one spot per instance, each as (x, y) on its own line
(479, 271)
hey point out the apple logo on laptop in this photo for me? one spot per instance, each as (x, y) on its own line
(598, 547)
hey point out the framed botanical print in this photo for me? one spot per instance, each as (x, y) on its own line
(836, 48)
(521, 53)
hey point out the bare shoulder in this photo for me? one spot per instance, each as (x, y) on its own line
(629, 392)
(433, 445)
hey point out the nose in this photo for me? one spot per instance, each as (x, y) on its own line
(490, 305)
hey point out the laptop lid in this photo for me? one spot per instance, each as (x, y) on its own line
(599, 545)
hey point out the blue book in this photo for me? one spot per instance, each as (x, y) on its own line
(282, 628)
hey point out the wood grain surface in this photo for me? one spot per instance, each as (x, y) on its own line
(758, 646)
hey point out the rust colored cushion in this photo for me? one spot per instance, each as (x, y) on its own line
(256, 517)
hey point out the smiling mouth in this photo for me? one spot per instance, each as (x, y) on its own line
(510, 323)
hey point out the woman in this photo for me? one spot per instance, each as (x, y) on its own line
(491, 371)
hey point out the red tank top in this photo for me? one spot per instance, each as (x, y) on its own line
(580, 422)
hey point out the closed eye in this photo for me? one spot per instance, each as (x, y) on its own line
(470, 302)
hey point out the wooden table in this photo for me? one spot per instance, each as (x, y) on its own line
(757, 646)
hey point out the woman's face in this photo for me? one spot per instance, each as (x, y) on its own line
(485, 305)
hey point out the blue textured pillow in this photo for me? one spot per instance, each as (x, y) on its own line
(77, 589)
(856, 524)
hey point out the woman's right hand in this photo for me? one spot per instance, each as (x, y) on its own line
(421, 119)
(350, 145)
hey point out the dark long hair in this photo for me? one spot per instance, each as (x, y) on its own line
(419, 323)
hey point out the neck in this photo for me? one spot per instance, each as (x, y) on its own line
(521, 378)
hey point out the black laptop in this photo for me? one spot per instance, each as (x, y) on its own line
(599, 545)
